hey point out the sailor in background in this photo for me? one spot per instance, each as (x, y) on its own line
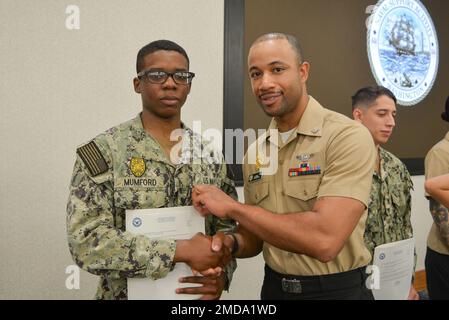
(437, 256)
(390, 206)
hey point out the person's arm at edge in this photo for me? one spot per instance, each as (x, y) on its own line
(438, 189)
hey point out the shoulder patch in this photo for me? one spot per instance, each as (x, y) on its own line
(92, 158)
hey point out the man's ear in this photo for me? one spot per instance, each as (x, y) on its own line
(357, 114)
(136, 82)
(304, 69)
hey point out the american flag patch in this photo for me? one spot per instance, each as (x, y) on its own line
(92, 158)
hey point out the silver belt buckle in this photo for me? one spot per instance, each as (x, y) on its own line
(291, 285)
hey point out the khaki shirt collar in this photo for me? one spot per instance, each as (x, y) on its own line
(311, 122)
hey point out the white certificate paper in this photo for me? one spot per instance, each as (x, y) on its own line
(176, 223)
(393, 265)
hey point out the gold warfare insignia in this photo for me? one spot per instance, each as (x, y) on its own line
(258, 163)
(258, 175)
(137, 167)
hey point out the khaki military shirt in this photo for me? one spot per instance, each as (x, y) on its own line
(328, 155)
(437, 164)
(125, 168)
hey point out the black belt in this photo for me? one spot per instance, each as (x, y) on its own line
(307, 284)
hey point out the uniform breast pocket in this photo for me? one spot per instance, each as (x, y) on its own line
(257, 192)
(139, 198)
(303, 189)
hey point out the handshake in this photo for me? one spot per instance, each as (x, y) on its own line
(207, 255)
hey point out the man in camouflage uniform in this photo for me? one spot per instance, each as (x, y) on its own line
(134, 166)
(389, 210)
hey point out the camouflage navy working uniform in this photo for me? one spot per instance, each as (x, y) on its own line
(125, 168)
(389, 210)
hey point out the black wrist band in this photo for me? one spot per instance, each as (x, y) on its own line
(235, 245)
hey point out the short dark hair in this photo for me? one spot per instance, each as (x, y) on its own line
(156, 46)
(280, 35)
(366, 96)
(445, 114)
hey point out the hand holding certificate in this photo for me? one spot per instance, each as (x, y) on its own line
(193, 248)
(394, 263)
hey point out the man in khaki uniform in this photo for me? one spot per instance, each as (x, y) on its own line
(437, 255)
(309, 216)
(131, 166)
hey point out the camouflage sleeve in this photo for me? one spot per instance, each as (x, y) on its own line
(224, 225)
(100, 248)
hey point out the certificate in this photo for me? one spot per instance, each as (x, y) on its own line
(393, 270)
(162, 223)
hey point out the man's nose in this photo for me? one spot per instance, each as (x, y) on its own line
(266, 82)
(391, 121)
(169, 83)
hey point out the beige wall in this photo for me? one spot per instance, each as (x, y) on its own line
(421, 219)
(59, 88)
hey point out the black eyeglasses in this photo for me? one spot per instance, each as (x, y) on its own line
(159, 77)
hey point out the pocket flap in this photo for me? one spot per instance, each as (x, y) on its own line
(258, 192)
(304, 189)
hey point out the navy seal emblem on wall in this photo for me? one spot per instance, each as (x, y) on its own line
(403, 49)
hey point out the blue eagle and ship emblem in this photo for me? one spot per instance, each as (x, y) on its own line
(403, 49)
